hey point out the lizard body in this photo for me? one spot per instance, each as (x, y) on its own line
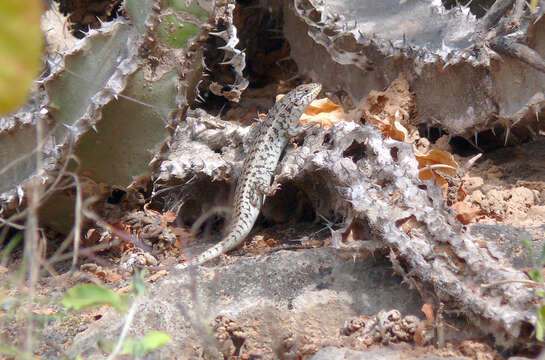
(258, 169)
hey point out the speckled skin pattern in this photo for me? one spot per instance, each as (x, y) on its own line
(259, 166)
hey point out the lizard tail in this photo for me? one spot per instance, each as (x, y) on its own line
(233, 238)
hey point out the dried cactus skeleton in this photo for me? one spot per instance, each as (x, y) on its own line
(427, 245)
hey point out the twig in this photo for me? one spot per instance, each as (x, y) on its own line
(503, 282)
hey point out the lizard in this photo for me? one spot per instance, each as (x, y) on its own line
(254, 183)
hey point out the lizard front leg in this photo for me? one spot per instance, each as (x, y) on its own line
(299, 129)
(262, 190)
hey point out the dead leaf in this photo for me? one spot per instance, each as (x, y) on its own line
(109, 275)
(420, 334)
(465, 212)
(324, 112)
(169, 216)
(45, 311)
(408, 224)
(390, 127)
(425, 331)
(427, 309)
(435, 162)
(159, 274)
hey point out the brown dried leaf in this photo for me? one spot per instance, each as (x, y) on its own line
(109, 275)
(390, 127)
(436, 157)
(465, 212)
(169, 216)
(409, 224)
(420, 334)
(159, 274)
(324, 112)
(44, 311)
(427, 309)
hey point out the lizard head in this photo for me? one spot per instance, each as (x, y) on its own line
(306, 93)
(288, 110)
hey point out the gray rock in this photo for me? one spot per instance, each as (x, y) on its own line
(508, 239)
(382, 353)
(282, 305)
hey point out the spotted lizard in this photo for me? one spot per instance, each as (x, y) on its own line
(254, 184)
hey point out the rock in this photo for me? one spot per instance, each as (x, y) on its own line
(507, 239)
(283, 305)
(382, 353)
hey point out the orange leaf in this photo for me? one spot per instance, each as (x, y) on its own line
(324, 112)
(438, 161)
(427, 309)
(465, 212)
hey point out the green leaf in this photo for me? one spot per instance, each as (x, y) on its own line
(9, 350)
(146, 344)
(542, 257)
(6, 251)
(138, 282)
(84, 296)
(535, 275)
(540, 323)
(526, 243)
(540, 292)
(21, 46)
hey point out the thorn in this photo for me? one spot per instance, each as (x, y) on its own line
(228, 62)
(507, 131)
(476, 134)
(200, 98)
(218, 34)
(221, 110)
(493, 129)
(474, 145)
(462, 170)
(203, 64)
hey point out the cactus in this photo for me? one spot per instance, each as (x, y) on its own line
(469, 74)
(110, 101)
